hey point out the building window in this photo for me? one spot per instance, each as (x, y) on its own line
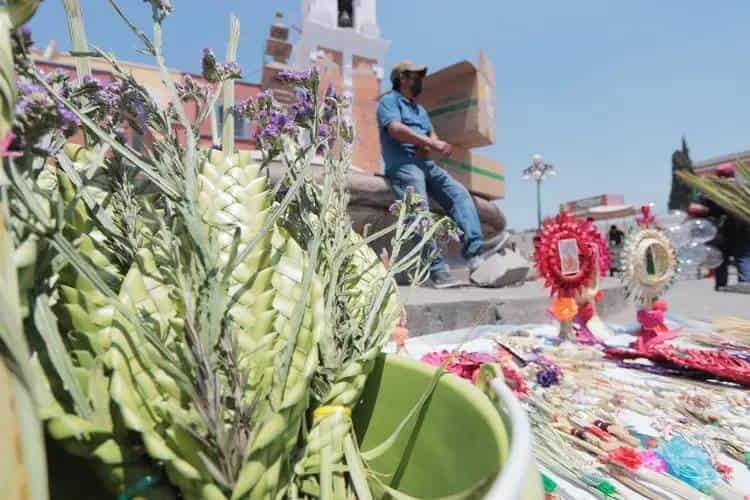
(346, 14)
(241, 124)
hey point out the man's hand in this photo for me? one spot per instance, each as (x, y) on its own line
(424, 153)
(441, 147)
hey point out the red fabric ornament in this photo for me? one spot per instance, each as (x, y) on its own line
(725, 470)
(586, 312)
(626, 456)
(591, 246)
(716, 364)
(653, 329)
(647, 220)
(660, 305)
(598, 433)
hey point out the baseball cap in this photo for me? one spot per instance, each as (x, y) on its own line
(404, 66)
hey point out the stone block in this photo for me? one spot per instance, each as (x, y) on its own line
(500, 270)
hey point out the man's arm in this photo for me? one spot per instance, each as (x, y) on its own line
(406, 135)
(446, 149)
(389, 118)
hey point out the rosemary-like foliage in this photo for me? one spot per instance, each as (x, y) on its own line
(189, 316)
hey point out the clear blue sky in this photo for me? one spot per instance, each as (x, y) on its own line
(604, 89)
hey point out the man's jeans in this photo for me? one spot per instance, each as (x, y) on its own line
(742, 259)
(741, 252)
(428, 179)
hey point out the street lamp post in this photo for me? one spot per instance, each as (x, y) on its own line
(538, 171)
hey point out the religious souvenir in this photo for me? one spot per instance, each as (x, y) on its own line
(569, 255)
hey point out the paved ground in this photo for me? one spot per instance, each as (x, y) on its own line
(431, 311)
(695, 299)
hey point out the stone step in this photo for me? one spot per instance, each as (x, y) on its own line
(429, 310)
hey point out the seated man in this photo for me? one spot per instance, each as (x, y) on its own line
(409, 144)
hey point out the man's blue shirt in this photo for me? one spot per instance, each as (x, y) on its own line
(394, 107)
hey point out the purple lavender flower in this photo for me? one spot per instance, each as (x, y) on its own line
(215, 72)
(262, 115)
(547, 377)
(302, 109)
(25, 87)
(67, 121)
(244, 107)
(229, 71)
(90, 84)
(423, 226)
(289, 127)
(278, 119)
(265, 97)
(395, 207)
(270, 132)
(56, 76)
(25, 33)
(190, 89)
(293, 76)
(37, 114)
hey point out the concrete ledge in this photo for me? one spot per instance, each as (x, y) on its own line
(431, 311)
(371, 194)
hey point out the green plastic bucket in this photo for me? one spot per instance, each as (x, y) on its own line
(458, 441)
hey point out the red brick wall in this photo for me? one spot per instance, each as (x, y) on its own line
(243, 90)
(365, 100)
(365, 91)
(330, 69)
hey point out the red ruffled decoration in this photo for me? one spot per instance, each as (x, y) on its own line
(591, 245)
(719, 364)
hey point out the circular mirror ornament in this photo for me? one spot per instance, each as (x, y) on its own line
(650, 264)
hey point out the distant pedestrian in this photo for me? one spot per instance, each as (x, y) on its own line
(732, 238)
(616, 240)
(616, 236)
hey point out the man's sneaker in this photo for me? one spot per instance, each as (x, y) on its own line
(474, 263)
(490, 247)
(494, 244)
(443, 279)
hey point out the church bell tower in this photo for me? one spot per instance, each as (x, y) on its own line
(342, 38)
